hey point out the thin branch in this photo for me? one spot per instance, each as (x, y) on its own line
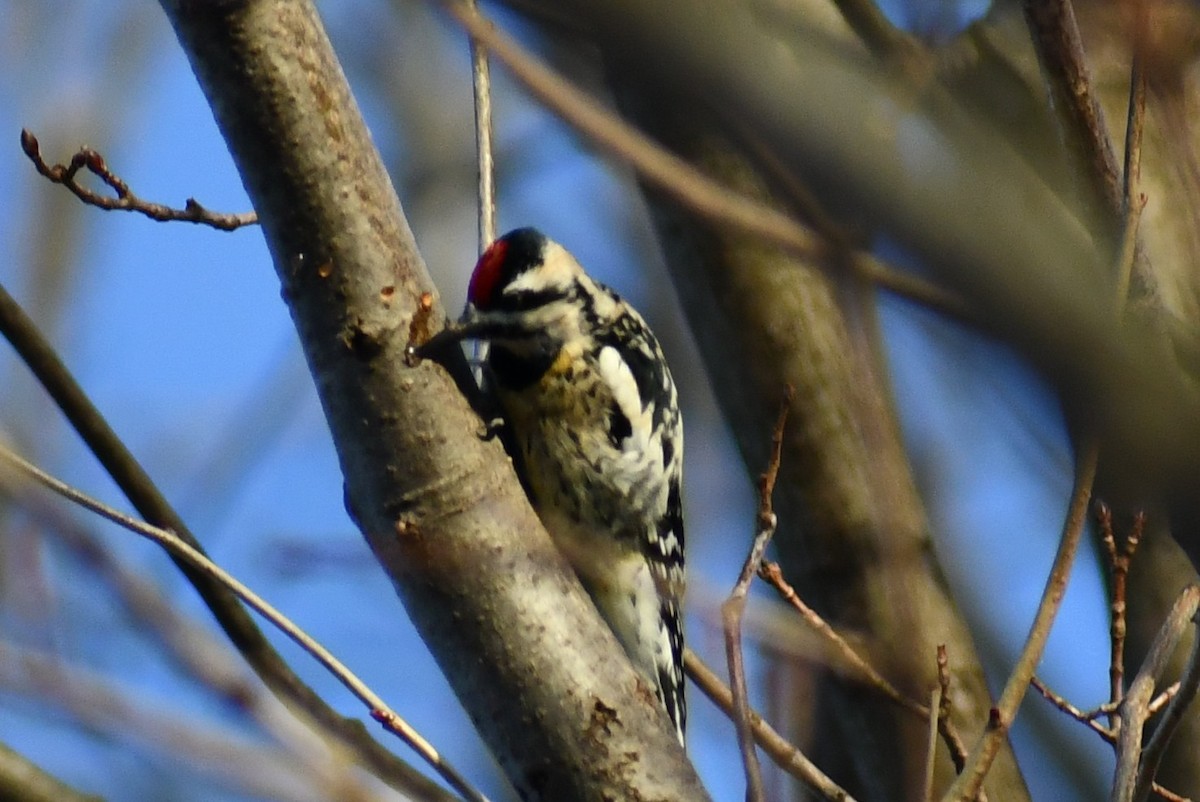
(1119, 572)
(1164, 698)
(995, 734)
(21, 779)
(1056, 39)
(845, 655)
(481, 84)
(1168, 795)
(196, 651)
(40, 357)
(782, 752)
(735, 606)
(1183, 613)
(1132, 201)
(176, 546)
(667, 171)
(125, 200)
(1127, 712)
(1089, 718)
(958, 751)
(1119, 561)
(679, 179)
(855, 667)
(931, 740)
(1083, 716)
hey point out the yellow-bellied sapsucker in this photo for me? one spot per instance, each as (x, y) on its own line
(594, 417)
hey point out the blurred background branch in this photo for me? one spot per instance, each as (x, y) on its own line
(919, 145)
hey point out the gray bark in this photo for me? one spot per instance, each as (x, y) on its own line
(540, 674)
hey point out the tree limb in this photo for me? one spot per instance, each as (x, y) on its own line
(542, 676)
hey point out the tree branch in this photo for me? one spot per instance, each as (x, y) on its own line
(784, 754)
(125, 200)
(498, 606)
(146, 498)
(177, 547)
(1060, 51)
(687, 185)
(22, 781)
(1002, 715)
(733, 609)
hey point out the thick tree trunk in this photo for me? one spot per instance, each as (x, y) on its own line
(525, 651)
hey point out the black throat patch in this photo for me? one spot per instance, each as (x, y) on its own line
(516, 372)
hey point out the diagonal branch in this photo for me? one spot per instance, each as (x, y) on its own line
(181, 550)
(994, 735)
(1138, 763)
(141, 491)
(543, 678)
(1056, 40)
(125, 200)
(681, 180)
(785, 755)
(21, 779)
(735, 606)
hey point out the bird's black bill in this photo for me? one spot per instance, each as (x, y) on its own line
(438, 344)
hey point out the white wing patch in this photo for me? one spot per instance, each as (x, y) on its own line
(615, 373)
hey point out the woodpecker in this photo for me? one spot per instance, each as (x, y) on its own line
(594, 418)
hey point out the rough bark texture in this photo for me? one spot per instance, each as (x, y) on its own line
(540, 674)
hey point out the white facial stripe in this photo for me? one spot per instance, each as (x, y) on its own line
(557, 270)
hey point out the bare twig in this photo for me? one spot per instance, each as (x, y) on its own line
(1132, 202)
(1164, 698)
(680, 180)
(1127, 711)
(1060, 51)
(958, 750)
(1168, 795)
(1119, 560)
(782, 752)
(935, 705)
(150, 503)
(994, 735)
(846, 655)
(481, 83)
(194, 649)
(668, 172)
(1087, 717)
(735, 606)
(1119, 571)
(125, 200)
(854, 666)
(1183, 613)
(176, 546)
